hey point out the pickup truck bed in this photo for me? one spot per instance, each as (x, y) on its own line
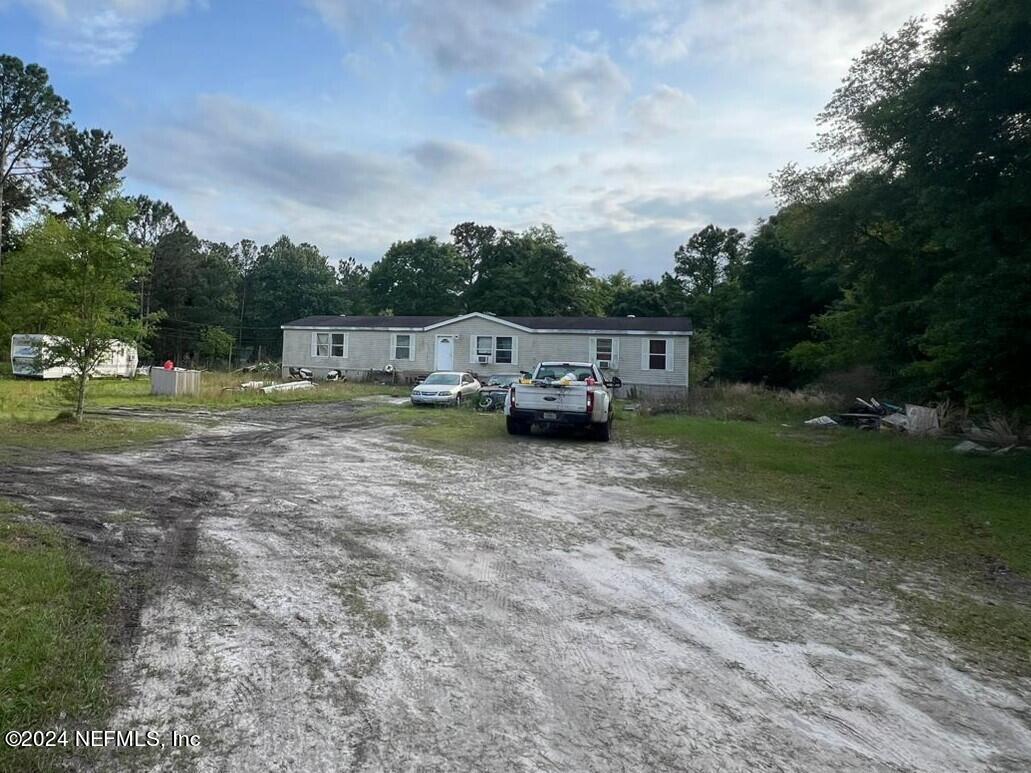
(581, 400)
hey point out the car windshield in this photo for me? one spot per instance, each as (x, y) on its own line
(503, 379)
(556, 372)
(447, 379)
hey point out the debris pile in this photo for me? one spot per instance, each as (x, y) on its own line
(997, 436)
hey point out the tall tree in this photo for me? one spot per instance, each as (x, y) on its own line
(82, 171)
(711, 256)
(528, 274)
(173, 283)
(288, 281)
(421, 276)
(153, 220)
(31, 120)
(925, 208)
(779, 297)
(473, 243)
(353, 279)
(77, 276)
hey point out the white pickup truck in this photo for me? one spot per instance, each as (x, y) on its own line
(561, 394)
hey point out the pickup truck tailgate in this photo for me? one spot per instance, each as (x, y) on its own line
(565, 399)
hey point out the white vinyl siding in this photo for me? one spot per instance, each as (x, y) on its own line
(329, 345)
(602, 348)
(502, 350)
(657, 354)
(373, 349)
(402, 346)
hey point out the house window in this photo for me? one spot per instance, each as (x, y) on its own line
(330, 345)
(604, 351)
(497, 349)
(658, 354)
(503, 349)
(484, 346)
(402, 347)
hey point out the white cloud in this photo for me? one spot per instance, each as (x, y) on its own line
(815, 38)
(456, 35)
(485, 36)
(666, 110)
(99, 32)
(573, 96)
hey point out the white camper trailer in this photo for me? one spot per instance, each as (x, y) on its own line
(24, 350)
(121, 360)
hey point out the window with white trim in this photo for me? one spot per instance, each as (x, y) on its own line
(402, 347)
(605, 352)
(484, 346)
(657, 354)
(504, 348)
(330, 345)
(498, 349)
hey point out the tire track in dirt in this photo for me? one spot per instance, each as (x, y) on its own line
(326, 596)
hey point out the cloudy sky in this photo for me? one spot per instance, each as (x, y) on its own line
(626, 124)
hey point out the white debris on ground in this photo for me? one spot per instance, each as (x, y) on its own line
(822, 421)
(289, 386)
(388, 399)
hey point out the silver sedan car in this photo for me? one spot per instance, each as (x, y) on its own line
(445, 388)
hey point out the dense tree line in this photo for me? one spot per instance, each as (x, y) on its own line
(905, 255)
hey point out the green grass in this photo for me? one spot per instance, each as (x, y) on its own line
(53, 642)
(923, 500)
(18, 436)
(31, 398)
(964, 520)
(28, 408)
(459, 429)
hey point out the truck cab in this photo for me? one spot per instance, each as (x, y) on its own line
(561, 394)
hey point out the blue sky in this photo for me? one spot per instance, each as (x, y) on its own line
(350, 124)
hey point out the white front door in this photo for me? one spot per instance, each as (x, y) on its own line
(445, 353)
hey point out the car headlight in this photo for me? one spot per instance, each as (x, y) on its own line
(448, 393)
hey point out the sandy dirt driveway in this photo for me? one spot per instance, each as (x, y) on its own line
(325, 595)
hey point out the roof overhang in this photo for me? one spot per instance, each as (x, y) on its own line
(494, 319)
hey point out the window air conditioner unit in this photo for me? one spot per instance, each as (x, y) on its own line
(605, 364)
(483, 359)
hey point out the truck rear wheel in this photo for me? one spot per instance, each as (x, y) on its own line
(602, 432)
(516, 427)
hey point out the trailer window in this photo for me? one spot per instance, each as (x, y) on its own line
(330, 345)
(503, 349)
(402, 347)
(657, 354)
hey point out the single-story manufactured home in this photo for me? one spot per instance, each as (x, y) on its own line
(649, 354)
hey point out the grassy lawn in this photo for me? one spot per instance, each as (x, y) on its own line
(53, 642)
(29, 398)
(28, 408)
(460, 429)
(964, 520)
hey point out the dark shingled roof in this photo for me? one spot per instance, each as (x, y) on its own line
(671, 324)
(630, 324)
(340, 321)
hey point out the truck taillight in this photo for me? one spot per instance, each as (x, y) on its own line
(511, 394)
(590, 401)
